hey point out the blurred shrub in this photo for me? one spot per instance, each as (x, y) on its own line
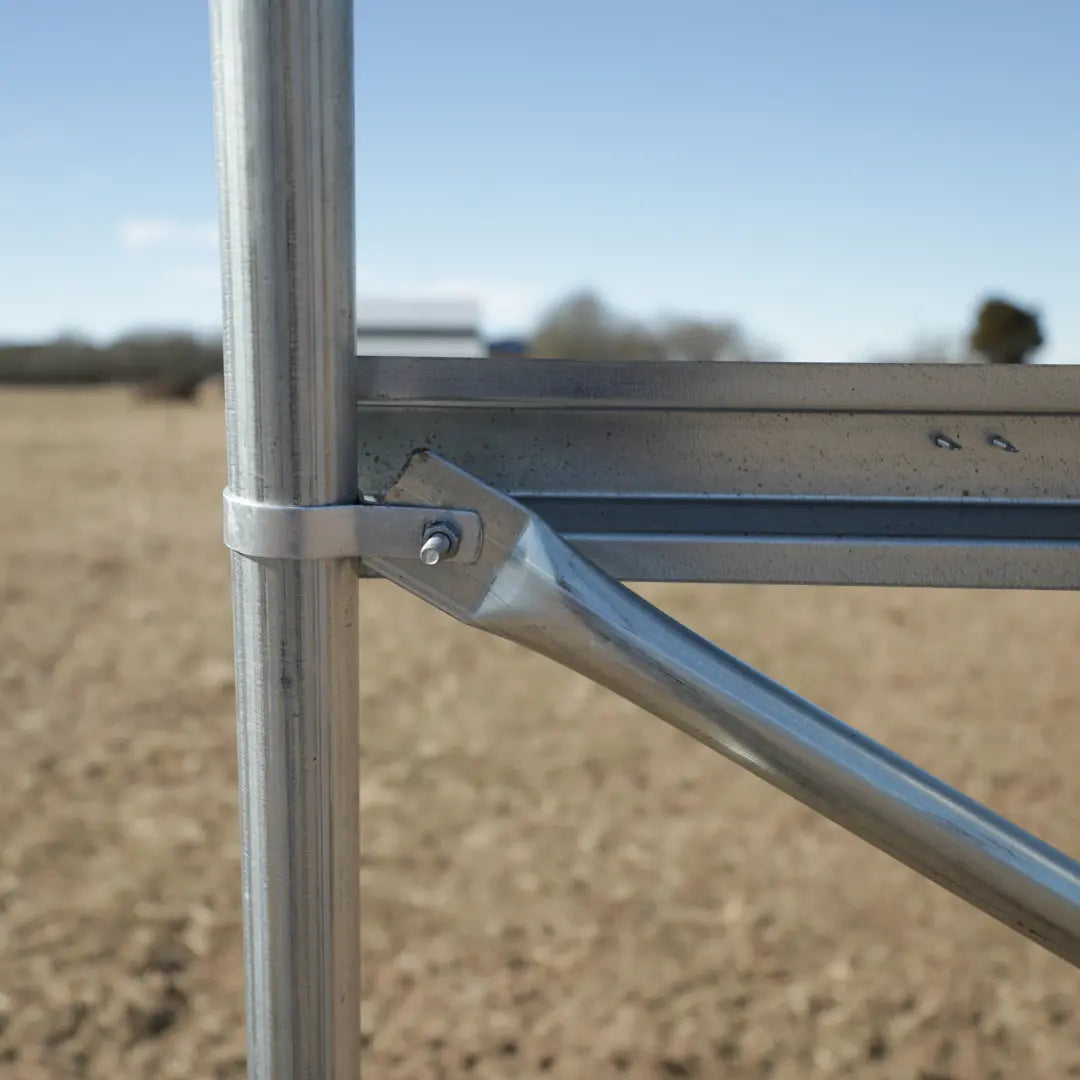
(171, 358)
(930, 350)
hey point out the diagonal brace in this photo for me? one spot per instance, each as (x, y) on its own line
(531, 587)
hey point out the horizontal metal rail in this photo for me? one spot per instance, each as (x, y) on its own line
(827, 474)
(734, 387)
(532, 588)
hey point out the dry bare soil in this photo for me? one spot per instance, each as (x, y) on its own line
(554, 884)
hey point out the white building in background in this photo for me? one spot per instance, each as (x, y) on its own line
(448, 328)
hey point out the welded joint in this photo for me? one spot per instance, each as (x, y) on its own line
(352, 530)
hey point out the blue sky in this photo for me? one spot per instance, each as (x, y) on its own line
(842, 176)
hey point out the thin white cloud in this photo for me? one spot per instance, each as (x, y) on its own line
(145, 234)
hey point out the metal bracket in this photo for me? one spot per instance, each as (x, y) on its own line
(353, 530)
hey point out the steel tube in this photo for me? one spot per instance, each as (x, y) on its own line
(284, 126)
(529, 586)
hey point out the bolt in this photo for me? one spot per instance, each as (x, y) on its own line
(434, 548)
(440, 541)
(946, 443)
(1003, 444)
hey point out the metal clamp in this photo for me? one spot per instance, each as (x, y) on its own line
(354, 530)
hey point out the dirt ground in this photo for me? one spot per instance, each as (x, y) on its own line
(554, 884)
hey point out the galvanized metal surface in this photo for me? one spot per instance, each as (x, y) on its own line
(833, 474)
(284, 118)
(576, 384)
(532, 588)
(265, 531)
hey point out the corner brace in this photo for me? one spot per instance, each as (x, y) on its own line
(530, 586)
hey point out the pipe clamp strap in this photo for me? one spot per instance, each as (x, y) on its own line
(343, 531)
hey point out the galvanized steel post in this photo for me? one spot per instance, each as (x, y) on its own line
(284, 117)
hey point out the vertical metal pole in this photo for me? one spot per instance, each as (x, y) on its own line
(284, 117)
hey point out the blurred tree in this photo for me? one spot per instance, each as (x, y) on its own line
(697, 339)
(575, 328)
(635, 341)
(72, 352)
(1004, 333)
(583, 327)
